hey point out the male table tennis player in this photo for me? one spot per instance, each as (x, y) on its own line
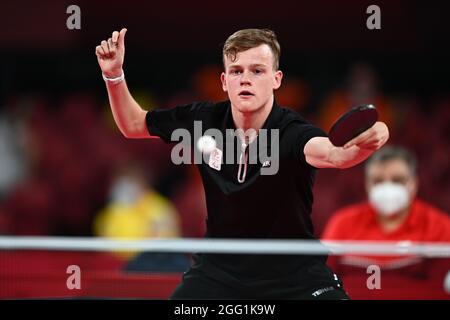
(241, 202)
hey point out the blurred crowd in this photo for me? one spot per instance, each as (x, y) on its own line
(66, 170)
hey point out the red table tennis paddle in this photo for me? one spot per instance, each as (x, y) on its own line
(352, 123)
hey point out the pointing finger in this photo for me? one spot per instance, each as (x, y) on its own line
(121, 37)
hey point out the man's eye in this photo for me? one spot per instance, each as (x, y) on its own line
(258, 71)
(236, 72)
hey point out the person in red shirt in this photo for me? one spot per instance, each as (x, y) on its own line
(393, 212)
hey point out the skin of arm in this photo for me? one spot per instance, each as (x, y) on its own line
(321, 153)
(128, 114)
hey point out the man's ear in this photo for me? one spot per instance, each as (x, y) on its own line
(224, 82)
(277, 79)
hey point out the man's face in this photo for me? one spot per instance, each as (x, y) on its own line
(251, 79)
(394, 171)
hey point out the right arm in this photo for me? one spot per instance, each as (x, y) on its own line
(128, 115)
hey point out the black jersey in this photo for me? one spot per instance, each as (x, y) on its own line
(254, 205)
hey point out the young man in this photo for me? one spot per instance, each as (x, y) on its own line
(242, 202)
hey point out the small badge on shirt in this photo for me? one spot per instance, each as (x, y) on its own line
(215, 159)
(266, 164)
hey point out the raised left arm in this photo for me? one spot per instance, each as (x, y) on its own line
(321, 153)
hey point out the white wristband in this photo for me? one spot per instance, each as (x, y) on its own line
(117, 80)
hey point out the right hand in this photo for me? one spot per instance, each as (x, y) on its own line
(110, 54)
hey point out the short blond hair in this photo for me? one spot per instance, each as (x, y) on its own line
(245, 39)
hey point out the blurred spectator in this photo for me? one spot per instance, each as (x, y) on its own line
(13, 164)
(12, 160)
(361, 88)
(136, 211)
(27, 204)
(393, 213)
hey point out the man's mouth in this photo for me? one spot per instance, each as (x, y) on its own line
(245, 93)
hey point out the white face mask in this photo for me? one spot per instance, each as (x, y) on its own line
(389, 198)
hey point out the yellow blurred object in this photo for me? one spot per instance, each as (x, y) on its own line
(151, 216)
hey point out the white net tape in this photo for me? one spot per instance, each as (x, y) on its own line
(310, 247)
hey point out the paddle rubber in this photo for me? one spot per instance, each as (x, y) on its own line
(352, 123)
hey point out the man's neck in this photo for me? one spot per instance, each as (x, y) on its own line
(393, 223)
(252, 120)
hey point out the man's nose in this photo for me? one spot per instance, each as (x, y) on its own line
(245, 78)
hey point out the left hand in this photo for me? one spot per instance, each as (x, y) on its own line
(371, 139)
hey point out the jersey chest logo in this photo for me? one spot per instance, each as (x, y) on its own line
(266, 164)
(215, 159)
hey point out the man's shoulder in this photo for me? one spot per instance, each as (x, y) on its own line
(202, 106)
(209, 106)
(210, 110)
(292, 124)
(431, 211)
(434, 222)
(288, 115)
(290, 119)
